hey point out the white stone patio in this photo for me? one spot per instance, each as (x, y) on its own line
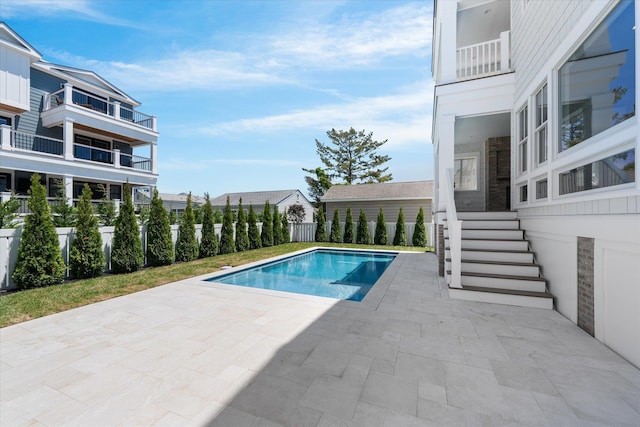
(195, 353)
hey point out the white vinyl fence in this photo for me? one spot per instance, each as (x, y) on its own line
(305, 232)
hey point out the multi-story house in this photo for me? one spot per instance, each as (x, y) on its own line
(69, 125)
(535, 137)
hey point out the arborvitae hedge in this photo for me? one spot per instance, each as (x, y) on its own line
(187, 245)
(400, 238)
(336, 233)
(420, 233)
(267, 226)
(286, 233)
(321, 229)
(277, 227)
(39, 261)
(348, 228)
(160, 249)
(64, 213)
(209, 240)
(362, 233)
(254, 234)
(86, 258)
(227, 243)
(126, 249)
(380, 237)
(242, 238)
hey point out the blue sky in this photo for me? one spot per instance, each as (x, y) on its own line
(242, 89)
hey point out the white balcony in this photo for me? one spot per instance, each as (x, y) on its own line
(97, 113)
(484, 59)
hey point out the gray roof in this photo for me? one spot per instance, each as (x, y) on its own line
(256, 198)
(182, 197)
(381, 191)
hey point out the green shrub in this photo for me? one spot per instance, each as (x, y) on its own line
(209, 240)
(143, 215)
(336, 233)
(160, 249)
(107, 212)
(187, 245)
(321, 228)
(126, 249)
(86, 258)
(362, 233)
(227, 243)
(286, 232)
(254, 234)
(420, 233)
(348, 228)
(242, 238)
(39, 260)
(380, 237)
(64, 213)
(277, 227)
(9, 212)
(173, 216)
(296, 214)
(400, 238)
(267, 227)
(197, 215)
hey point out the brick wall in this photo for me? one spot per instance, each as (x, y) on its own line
(585, 284)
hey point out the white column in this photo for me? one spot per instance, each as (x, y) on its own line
(116, 110)
(67, 181)
(448, 40)
(68, 93)
(116, 158)
(5, 137)
(154, 124)
(446, 155)
(505, 51)
(67, 136)
(154, 158)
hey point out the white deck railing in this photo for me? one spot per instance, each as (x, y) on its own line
(484, 59)
(454, 227)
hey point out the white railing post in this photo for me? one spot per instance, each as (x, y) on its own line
(68, 93)
(505, 50)
(154, 158)
(154, 124)
(67, 136)
(454, 227)
(116, 158)
(116, 110)
(5, 137)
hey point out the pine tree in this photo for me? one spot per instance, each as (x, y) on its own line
(187, 245)
(286, 232)
(254, 234)
(362, 234)
(160, 249)
(242, 238)
(277, 227)
(227, 243)
(348, 227)
(400, 238)
(420, 233)
(39, 260)
(126, 249)
(173, 216)
(64, 213)
(209, 240)
(86, 258)
(267, 227)
(321, 232)
(381, 237)
(106, 209)
(336, 234)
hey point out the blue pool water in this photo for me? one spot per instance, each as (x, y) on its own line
(340, 274)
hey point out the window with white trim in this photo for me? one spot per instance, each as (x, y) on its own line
(523, 138)
(541, 125)
(466, 174)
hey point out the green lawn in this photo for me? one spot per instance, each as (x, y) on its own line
(22, 306)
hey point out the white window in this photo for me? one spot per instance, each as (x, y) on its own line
(541, 125)
(466, 174)
(523, 139)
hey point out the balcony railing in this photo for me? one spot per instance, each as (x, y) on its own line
(14, 140)
(99, 105)
(484, 59)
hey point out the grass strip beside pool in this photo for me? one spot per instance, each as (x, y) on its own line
(30, 304)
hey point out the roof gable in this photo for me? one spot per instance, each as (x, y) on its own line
(380, 191)
(257, 198)
(10, 38)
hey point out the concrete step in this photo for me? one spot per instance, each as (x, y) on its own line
(518, 298)
(492, 234)
(494, 255)
(486, 215)
(494, 244)
(492, 224)
(501, 281)
(499, 267)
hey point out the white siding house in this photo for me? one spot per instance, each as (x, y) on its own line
(535, 125)
(69, 125)
(280, 198)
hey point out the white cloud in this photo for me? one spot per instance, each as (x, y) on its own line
(402, 118)
(82, 9)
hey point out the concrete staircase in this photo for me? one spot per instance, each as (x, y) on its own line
(497, 265)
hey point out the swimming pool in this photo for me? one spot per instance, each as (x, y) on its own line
(341, 274)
